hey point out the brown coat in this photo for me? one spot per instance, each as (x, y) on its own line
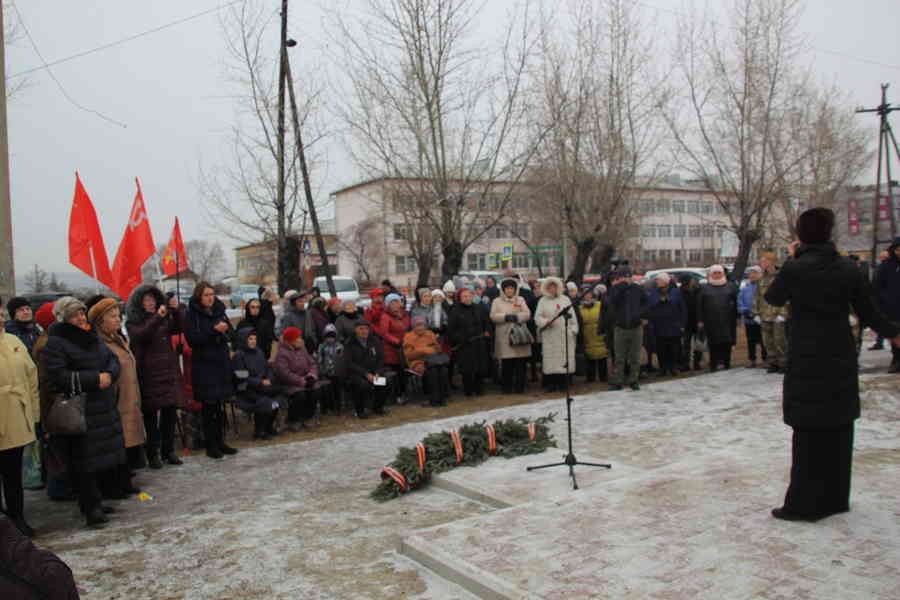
(129, 392)
(500, 307)
(417, 346)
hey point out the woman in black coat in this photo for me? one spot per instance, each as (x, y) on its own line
(150, 326)
(690, 290)
(208, 331)
(468, 327)
(717, 316)
(257, 393)
(73, 348)
(260, 316)
(821, 383)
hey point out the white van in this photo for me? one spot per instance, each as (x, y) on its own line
(346, 288)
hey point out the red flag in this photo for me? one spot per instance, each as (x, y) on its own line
(174, 260)
(137, 246)
(86, 248)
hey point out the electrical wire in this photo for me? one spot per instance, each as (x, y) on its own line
(53, 77)
(124, 40)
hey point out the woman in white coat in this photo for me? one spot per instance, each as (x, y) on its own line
(553, 338)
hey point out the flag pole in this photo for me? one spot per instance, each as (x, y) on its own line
(93, 269)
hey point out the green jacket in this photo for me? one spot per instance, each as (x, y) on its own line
(766, 311)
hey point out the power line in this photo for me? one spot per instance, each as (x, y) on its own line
(53, 77)
(123, 40)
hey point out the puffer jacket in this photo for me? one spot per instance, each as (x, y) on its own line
(19, 402)
(71, 349)
(392, 328)
(29, 573)
(150, 337)
(416, 346)
(594, 342)
(294, 368)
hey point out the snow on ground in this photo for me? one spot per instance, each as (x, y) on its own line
(684, 512)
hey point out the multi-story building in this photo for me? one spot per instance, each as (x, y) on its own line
(674, 224)
(258, 263)
(861, 222)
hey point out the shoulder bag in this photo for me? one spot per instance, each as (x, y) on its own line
(66, 416)
(519, 335)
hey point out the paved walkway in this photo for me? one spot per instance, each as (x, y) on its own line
(684, 512)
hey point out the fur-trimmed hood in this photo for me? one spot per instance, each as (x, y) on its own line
(134, 310)
(560, 288)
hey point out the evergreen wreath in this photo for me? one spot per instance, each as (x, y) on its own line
(438, 452)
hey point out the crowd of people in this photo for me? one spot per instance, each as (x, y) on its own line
(171, 368)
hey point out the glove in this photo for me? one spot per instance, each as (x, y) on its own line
(512, 319)
(757, 320)
(779, 319)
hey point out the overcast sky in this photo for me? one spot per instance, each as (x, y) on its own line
(170, 91)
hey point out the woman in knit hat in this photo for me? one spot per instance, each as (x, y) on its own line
(392, 327)
(20, 410)
(296, 372)
(74, 351)
(106, 317)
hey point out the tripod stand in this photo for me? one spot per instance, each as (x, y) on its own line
(569, 459)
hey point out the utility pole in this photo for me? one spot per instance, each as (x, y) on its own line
(304, 171)
(7, 267)
(885, 140)
(281, 246)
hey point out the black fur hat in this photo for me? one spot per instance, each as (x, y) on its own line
(815, 225)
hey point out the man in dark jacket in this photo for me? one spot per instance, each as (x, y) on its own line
(821, 385)
(888, 281)
(668, 314)
(628, 303)
(364, 362)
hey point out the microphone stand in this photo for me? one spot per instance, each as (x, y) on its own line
(569, 459)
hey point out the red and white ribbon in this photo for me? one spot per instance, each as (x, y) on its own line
(397, 476)
(492, 438)
(532, 431)
(457, 445)
(420, 451)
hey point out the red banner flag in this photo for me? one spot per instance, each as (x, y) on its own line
(174, 260)
(137, 246)
(86, 248)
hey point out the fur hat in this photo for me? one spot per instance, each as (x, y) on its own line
(815, 225)
(44, 315)
(509, 283)
(600, 290)
(572, 286)
(391, 297)
(449, 287)
(100, 308)
(291, 334)
(436, 293)
(67, 307)
(15, 304)
(330, 329)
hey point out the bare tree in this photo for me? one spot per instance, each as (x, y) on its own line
(438, 116)
(205, 259)
(56, 285)
(362, 243)
(36, 281)
(599, 101)
(242, 196)
(12, 34)
(740, 80)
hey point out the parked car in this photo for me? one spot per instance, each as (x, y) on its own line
(243, 294)
(346, 288)
(697, 273)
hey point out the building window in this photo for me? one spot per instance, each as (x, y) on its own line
(501, 231)
(709, 256)
(477, 261)
(649, 256)
(695, 256)
(708, 231)
(401, 231)
(662, 206)
(677, 206)
(694, 231)
(693, 207)
(706, 207)
(664, 231)
(405, 264)
(648, 231)
(676, 256)
(646, 207)
(665, 256)
(521, 260)
(519, 230)
(679, 231)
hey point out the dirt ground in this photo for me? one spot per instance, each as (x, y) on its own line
(459, 405)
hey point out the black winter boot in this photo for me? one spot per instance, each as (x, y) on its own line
(153, 460)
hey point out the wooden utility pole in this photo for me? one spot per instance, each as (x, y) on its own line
(886, 139)
(281, 246)
(7, 267)
(304, 171)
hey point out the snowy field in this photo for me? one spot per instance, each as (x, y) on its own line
(684, 512)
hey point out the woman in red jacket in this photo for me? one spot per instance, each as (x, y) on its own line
(392, 327)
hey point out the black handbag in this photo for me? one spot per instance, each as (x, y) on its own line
(519, 335)
(66, 416)
(437, 360)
